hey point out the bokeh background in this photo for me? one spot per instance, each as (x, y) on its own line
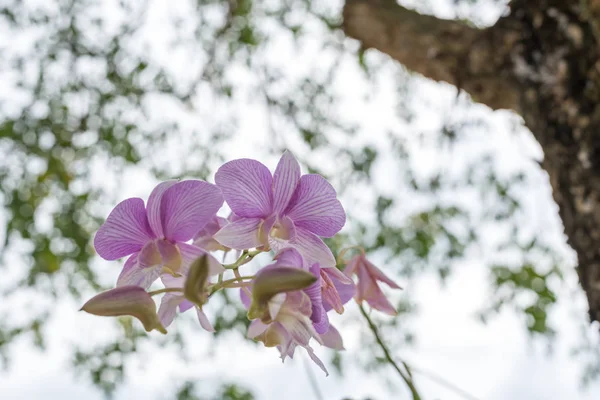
(101, 99)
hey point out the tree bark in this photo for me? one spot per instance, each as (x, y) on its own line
(542, 61)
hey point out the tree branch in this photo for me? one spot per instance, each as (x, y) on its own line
(443, 50)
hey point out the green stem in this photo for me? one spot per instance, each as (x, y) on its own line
(406, 376)
(245, 257)
(165, 290)
(218, 286)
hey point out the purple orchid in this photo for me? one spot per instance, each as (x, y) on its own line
(155, 236)
(327, 293)
(291, 312)
(280, 210)
(367, 288)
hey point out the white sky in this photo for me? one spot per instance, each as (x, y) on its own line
(497, 361)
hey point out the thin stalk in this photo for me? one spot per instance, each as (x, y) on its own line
(165, 290)
(245, 258)
(406, 377)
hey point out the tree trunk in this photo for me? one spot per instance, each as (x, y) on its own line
(542, 61)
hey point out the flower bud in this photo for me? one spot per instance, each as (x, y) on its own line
(194, 288)
(272, 281)
(126, 300)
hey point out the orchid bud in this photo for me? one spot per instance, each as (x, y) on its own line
(126, 300)
(195, 284)
(272, 281)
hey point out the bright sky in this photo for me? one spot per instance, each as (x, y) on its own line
(497, 361)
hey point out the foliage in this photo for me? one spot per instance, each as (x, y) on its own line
(88, 93)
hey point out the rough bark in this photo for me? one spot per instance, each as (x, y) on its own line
(543, 61)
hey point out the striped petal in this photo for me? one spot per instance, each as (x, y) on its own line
(247, 187)
(285, 179)
(186, 207)
(315, 207)
(125, 231)
(153, 207)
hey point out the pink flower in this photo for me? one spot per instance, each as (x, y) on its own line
(367, 288)
(155, 235)
(291, 326)
(292, 318)
(280, 210)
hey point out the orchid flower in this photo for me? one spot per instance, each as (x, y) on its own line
(280, 210)
(327, 293)
(367, 288)
(294, 317)
(154, 236)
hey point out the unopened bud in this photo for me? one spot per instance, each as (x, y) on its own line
(194, 288)
(126, 300)
(272, 281)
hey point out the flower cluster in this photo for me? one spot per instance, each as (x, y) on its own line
(175, 236)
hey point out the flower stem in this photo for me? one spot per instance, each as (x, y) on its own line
(230, 283)
(245, 257)
(406, 376)
(165, 290)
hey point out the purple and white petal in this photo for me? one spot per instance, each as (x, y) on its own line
(185, 305)
(153, 207)
(318, 315)
(245, 298)
(186, 207)
(333, 339)
(168, 308)
(257, 327)
(145, 271)
(316, 359)
(190, 253)
(378, 275)
(247, 187)
(289, 257)
(242, 234)
(125, 231)
(315, 206)
(312, 249)
(285, 179)
(204, 322)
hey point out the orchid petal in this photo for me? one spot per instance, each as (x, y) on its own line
(241, 234)
(289, 257)
(203, 319)
(312, 249)
(145, 271)
(168, 308)
(338, 275)
(185, 305)
(378, 275)
(316, 359)
(256, 328)
(333, 339)
(154, 209)
(285, 179)
(190, 253)
(318, 315)
(245, 298)
(125, 231)
(315, 206)
(247, 187)
(186, 207)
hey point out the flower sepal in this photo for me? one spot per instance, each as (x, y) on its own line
(126, 300)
